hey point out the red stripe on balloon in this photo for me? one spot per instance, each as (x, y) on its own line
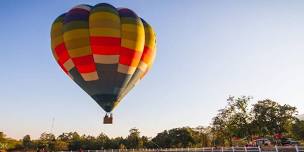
(86, 68)
(108, 41)
(129, 57)
(62, 53)
(85, 64)
(105, 50)
(105, 45)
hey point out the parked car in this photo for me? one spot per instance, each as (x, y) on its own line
(262, 142)
(289, 141)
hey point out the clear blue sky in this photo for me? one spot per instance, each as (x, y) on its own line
(207, 50)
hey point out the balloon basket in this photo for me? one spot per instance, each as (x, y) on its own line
(108, 119)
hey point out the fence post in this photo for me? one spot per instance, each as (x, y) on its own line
(276, 148)
(212, 149)
(297, 148)
(232, 148)
(259, 149)
(222, 149)
(245, 148)
(203, 149)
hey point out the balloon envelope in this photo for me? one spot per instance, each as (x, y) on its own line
(105, 50)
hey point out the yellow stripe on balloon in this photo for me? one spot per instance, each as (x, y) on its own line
(133, 36)
(98, 16)
(136, 28)
(105, 24)
(78, 52)
(56, 41)
(107, 32)
(75, 34)
(56, 29)
(56, 37)
(150, 40)
(77, 43)
(136, 45)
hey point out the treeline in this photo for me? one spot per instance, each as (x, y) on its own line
(236, 124)
(178, 137)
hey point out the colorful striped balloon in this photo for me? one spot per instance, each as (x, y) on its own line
(105, 50)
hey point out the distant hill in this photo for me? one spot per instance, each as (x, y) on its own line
(301, 117)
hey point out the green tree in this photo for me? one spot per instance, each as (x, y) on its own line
(266, 117)
(3, 144)
(182, 137)
(178, 138)
(234, 120)
(27, 143)
(297, 129)
(102, 141)
(146, 142)
(65, 137)
(222, 128)
(2, 136)
(241, 118)
(134, 139)
(205, 136)
(115, 143)
(270, 117)
(47, 141)
(89, 142)
(162, 139)
(75, 141)
(61, 145)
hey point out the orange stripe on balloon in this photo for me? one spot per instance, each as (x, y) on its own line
(147, 55)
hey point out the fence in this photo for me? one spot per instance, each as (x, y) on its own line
(210, 149)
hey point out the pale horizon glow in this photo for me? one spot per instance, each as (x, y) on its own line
(207, 50)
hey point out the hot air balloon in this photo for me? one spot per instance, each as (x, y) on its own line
(105, 50)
